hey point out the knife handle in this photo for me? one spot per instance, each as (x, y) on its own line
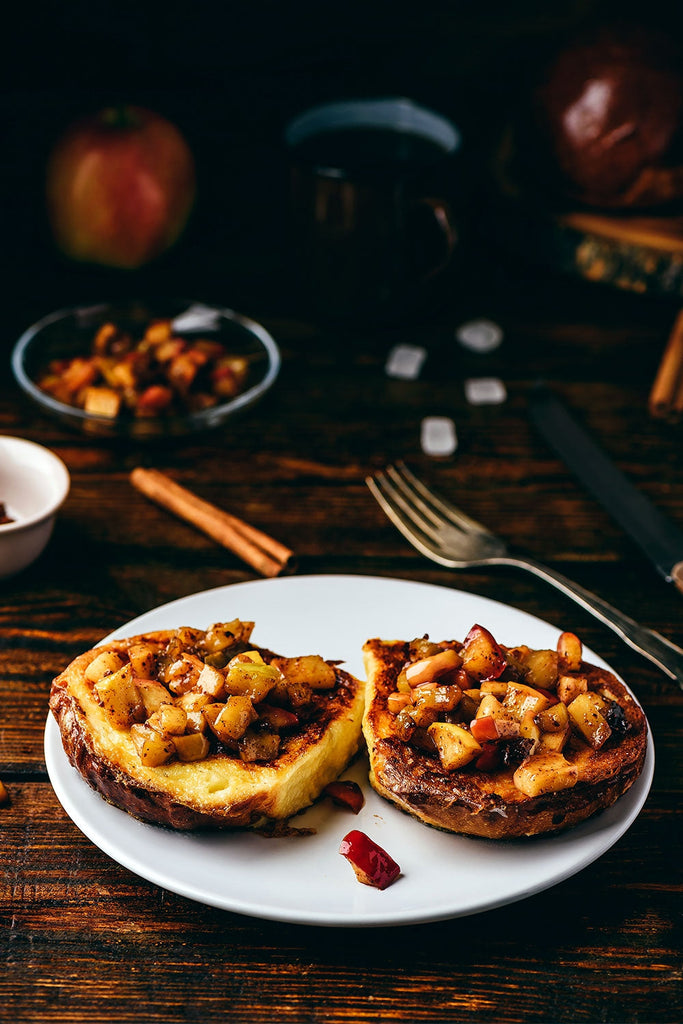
(653, 646)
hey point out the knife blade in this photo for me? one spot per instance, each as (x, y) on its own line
(659, 538)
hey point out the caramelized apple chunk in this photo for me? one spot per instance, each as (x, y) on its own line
(104, 664)
(169, 720)
(153, 748)
(585, 712)
(143, 659)
(311, 670)
(456, 745)
(120, 697)
(569, 652)
(192, 746)
(231, 720)
(482, 657)
(547, 772)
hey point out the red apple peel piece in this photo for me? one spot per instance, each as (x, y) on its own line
(345, 794)
(372, 865)
(484, 729)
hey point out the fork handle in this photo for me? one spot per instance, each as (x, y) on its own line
(664, 654)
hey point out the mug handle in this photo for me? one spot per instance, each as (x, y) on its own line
(440, 214)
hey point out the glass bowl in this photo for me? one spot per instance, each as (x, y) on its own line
(69, 333)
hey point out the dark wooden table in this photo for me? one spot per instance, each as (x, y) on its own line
(85, 940)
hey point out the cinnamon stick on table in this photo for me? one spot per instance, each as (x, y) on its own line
(666, 397)
(257, 549)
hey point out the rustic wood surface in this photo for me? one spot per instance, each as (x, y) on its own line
(84, 940)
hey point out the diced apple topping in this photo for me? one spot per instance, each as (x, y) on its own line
(105, 664)
(569, 687)
(482, 657)
(205, 691)
(498, 687)
(545, 773)
(397, 701)
(153, 748)
(491, 707)
(540, 668)
(230, 721)
(529, 729)
(183, 673)
(484, 728)
(585, 712)
(310, 670)
(120, 696)
(426, 670)
(169, 720)
(456, 746)
(193, 746)
(210, 681)
(143, 659)
(569, 652)
(521, 699)
(554, 719)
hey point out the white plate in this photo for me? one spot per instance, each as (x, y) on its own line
(304, 879)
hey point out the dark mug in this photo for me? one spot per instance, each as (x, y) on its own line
(374, 184)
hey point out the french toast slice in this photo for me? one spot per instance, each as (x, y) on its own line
(480, 739)
(190, 728)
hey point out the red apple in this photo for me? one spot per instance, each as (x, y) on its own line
(372, 865)
(120, 187)
(611, 109)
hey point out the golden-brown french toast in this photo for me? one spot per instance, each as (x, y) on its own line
(192, 727)
(486, 740)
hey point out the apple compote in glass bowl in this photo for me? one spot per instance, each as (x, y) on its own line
(145, 369)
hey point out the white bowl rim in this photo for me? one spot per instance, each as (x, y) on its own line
(59, 473)
(197, 419)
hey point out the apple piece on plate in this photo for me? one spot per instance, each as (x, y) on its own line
(345, 794)
(372, 865)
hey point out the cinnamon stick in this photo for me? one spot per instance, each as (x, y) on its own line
(667, 390)
(268, 556)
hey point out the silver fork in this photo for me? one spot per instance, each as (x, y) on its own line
(446, 535)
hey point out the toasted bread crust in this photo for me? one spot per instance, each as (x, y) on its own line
(220, 790)
(488, 804)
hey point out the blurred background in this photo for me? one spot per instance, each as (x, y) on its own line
(230, 75)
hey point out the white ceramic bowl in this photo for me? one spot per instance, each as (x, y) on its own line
(33, 485)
